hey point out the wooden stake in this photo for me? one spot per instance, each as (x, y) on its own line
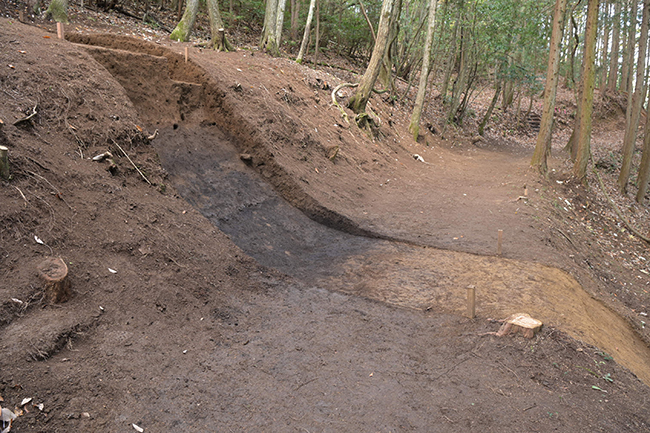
(187, 54)
(59, 30)
(499, 242)
(471, 301)
(21, 16)
(54, 273)
(4, 162)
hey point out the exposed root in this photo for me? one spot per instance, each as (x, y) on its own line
(336, 103)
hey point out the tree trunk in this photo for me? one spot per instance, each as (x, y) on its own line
(58, 10)
(414, 127)
(635, 103)
(613, 60)
(644, 169)
(543, 145)
(279, 21)
(587, 93)
(461, 79)
(360, 98)
(184, 27)
(295, 14)
(268, 42)
(488, 113)
(386, 72)
(604, 52)
(219, 41)
(317, 33)
(305, 36)
(628, 63)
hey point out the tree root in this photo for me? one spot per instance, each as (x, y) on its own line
(336, 103)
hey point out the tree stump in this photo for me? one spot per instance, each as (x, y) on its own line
(520, 323)
(54, 272)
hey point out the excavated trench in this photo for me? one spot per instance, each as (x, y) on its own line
(271, 219)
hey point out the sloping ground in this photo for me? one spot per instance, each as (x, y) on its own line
(192, 334)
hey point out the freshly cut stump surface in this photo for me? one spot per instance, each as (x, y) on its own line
(520, 323)
(54, 272)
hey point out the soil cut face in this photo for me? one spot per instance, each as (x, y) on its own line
(174, 326)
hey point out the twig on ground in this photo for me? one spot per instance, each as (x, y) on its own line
(132, 163)
(22, 195)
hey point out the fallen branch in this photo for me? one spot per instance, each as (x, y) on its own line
(132, 163)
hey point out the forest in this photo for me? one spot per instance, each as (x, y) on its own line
(522, 49)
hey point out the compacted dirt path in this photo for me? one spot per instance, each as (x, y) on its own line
(357, 327)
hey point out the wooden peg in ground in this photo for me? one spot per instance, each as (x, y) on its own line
(4, 162)
(519, 323)
(54, 272)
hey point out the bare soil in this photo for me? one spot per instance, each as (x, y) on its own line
(242, 279)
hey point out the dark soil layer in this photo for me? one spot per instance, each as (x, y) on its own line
(173, 327)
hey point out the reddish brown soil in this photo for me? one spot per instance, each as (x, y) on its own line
(173, 325)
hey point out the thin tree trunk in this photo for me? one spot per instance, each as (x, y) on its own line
(488, 113)
(279, 22)
(359, 100)
(184, 27)
(635, 103)
(644, 168)
(587, 94)
(414, 127)
(305, 36)
(605, 48)
(613, 60)
(543, 145)
(628, 64)
(317, 33)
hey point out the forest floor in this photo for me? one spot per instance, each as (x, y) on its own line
(268, 267)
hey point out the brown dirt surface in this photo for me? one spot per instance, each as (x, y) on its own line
(260, 265)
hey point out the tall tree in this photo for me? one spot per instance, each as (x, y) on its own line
(644, 168)
(184, 28)
(305, 36)
(587, 91)
(359, 100)
(604, 47)
(633, 113)
(613, 59)
(414, 127)
(543, 145)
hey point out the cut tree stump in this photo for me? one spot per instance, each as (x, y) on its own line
(519, 323)
(54, 272)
